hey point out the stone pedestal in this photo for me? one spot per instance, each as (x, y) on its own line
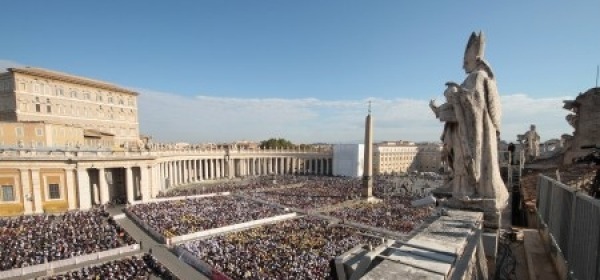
(491, 220)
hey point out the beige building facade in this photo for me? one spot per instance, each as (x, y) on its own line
(39, 95)
(429, 157)
(394, 157)
(398, 157)
(55, 181)
(51, 125)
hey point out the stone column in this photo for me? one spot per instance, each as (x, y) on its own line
(145, 180)
(129, 184)
(195, 170)
(184, 172)
(205, 165)
(171, 174)
(83, 184)
(217, 168)
(322, 161)
(213, 172)
(200, 170)
(293, 165)
(179, 175)
(37, 191)
(27, 193)
(103, 186)
(158, 181)
(70, 179)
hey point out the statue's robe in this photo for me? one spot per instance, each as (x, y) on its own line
(473, 138)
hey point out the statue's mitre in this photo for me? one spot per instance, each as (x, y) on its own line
(475, 46)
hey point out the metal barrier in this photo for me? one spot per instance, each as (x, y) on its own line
(573, 222)
(16, 272)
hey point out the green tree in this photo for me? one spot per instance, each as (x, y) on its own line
(276, 143)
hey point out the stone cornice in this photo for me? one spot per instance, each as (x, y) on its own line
(43, 73)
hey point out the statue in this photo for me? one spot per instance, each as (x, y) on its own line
(531, 142)
(472, 115)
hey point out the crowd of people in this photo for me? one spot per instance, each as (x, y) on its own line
(134, 267)
(315, 192)
(180, 217)
(37, 239)
(394, 213)
(295, 249)
(247, 184)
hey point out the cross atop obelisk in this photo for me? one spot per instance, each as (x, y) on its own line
(367, 192)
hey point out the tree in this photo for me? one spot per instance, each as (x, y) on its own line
(276, 143)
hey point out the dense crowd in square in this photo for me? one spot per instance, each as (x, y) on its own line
(136, 268)
(247, 184)
(315, 192)
(302, 248)
(36, 239)
(180, 217)
(392, 213)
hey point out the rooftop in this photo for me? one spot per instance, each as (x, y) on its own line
(50, 74)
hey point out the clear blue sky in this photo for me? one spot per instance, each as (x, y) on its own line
(337, 51)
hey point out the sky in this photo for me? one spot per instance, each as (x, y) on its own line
(221, 71)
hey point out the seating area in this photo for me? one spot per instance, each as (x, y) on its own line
(248, 184)
(37, 239)
(302, 248)
(393, 213)
(135, 267)
(180, 217)
(314, 193)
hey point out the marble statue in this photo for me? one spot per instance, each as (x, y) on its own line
(531, 142)
(472, 114)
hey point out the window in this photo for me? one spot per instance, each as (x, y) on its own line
(110, 99)
(39, 132)
(53, 191)
(19, 131)
(23, 86)
(49, 108)
(8, 193)
(38, 108)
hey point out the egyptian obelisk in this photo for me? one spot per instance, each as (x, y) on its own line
(367, 191)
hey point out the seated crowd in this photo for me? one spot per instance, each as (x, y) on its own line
(314, 193)
(295, 249)
(180, 217)
(395, 214)
(134, 267)
(248, 184)
(36, 239)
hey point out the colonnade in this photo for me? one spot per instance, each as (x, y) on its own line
(36, 188)
(174, 172)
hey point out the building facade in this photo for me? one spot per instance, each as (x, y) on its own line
(33, 181)
(429, 157)
(39, 95)
(399, 157)
(394, 157)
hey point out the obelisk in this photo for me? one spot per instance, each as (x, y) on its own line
(367, 191)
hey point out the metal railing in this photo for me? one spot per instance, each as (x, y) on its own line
(572, 219)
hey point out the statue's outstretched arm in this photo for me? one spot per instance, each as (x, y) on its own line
(434, 107)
